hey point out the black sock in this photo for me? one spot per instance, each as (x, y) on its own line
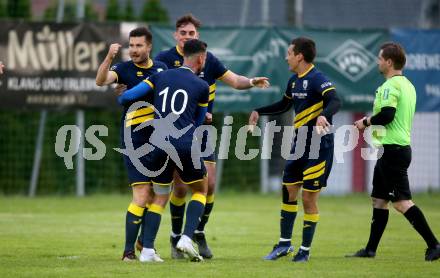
(378, 224)
(193, 213)
(153, 218)
(177, 211)
(287, 219)
(132, 223)
(309, 227)
(417, 219)
(205, 217)
(141, 234)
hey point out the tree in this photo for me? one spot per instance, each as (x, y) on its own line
(18, 9)
(128, 15)
(154, 12)
(112, 13)
(3, 13)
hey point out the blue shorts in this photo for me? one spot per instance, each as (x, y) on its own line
(139, 138)
(311, 173)
(190, 172)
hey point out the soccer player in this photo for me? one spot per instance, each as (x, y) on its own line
(394, 108)
(177, 92)
(131, 73)
(315, 101)
(186, 29)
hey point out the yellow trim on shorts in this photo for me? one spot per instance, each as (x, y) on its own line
(202, 104)
(136, 210)
(209, 161)
(191, 182)
(310, 190)
(177, 201)
(311, 217)
(292, 183)
(156, 209)
(210, 199)
(289, 208)
(162, 184)
(199, 198)
(141, 183)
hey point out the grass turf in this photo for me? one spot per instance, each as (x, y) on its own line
(71, 237)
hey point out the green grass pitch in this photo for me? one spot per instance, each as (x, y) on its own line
(71, 237)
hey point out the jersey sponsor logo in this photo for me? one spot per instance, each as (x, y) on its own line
(352, 60)
(299, 95)
(305, 84)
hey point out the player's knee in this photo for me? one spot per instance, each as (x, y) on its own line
(403, 206)
(141, 195)
(309, 200)
(379, 203)
(161, 199)
(288, 197)
(179, 190)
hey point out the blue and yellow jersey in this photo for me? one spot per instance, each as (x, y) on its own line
(179, 92)
(214, 69)
(131, 74)
(307, 91)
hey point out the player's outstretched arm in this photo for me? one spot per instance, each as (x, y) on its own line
(104, 76)
(242, 82)
(136, 93)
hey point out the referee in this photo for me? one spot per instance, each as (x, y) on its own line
(394, 108)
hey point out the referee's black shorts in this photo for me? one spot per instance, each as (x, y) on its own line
(390, 179)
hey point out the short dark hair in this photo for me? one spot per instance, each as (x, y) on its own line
(306, 47)
(141, 32)
(188, 18)
(394, 52)
(194, 46)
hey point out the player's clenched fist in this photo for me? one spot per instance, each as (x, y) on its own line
(113, 50)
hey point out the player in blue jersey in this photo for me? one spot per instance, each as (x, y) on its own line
(315, 101)
(131, 73)
(181, 99)
(186, 29)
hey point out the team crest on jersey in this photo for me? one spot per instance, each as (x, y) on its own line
(202, 74)
(177, 63)
(139, 73)
(305, 84)
(293, 85)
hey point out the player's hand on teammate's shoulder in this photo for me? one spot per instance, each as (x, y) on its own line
(260, 82)
(120, 89)
(253, 120)
(113, 50)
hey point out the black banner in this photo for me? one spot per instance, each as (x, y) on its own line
(54, 65)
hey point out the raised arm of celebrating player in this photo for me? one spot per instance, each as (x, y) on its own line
(104, 76)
